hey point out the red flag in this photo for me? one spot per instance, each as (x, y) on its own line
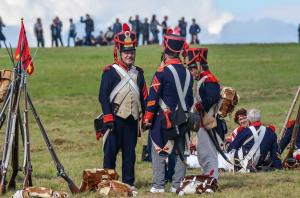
(23, 49)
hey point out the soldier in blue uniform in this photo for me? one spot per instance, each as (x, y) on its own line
(287, 138)
(123, 93)
(170, 96)
(207, 96)
(253, 144)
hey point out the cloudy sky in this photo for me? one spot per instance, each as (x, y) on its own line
(222, 21)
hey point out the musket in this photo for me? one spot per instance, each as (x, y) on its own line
(283, 130)
(293, 138)
(27, 160)
(11, 133)
(60, 169)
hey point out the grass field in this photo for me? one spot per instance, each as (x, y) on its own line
(65, 86)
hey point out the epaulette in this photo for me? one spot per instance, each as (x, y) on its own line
(161, 68)
(107, 67)
(240, 129)
(211, 78)
(139, 69)
(290, 123)
(272, 127)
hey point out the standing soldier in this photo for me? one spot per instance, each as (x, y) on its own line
(164, 25)
(170, 94)
(207, 98)
(182, 26)
(72, 32)
(122, 96)
(145, 32)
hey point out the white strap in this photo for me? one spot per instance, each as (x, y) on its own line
(125, 78)
(181, 94)
(257, 141)
(199, 83)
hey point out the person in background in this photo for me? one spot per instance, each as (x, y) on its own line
(2, 37)
(38, 32)
(154, 29)
(117, 27)
(145, 32)
(136, 26)
(194, 31)
(182, 25)
(72, 32)
(164, 25)
(53, 28)
(109, 36)
(59, 29)
(89, 28)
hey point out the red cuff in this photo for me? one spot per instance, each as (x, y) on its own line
(108, 118)
(148, 116)
(199, 106)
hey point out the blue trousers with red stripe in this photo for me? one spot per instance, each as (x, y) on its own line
(124, 137)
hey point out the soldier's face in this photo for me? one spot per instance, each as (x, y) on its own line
(128, 57)
(195, 73)
(243, 121)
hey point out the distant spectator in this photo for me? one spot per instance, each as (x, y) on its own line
(59, 28)
(54, 31)
(164, 25)
(72, 32)
(145, 32)
(109, 35)
(2, 37)
(117, 27)
(194, 31)
(38, 32)
(298, 34)
(100, 39)
(136, 26)
(182, 25)
(154, 29)
(79, 42)
(89, 28)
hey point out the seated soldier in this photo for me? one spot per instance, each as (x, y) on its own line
(253, 144)
(287, 138)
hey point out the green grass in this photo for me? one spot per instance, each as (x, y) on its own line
(65, 86)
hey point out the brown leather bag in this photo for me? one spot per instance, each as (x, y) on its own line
(92, 177)
(114, 188)
(39, 192)
(5, 78)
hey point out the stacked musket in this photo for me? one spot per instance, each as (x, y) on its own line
(16, 86)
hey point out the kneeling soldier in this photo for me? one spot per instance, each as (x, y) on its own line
(122, 96)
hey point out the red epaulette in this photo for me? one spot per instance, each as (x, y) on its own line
(240, 129)
(290, 123)
(107, 67)
(211, 78)
(161, 68)
(272, 127)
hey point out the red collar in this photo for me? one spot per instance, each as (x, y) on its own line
(210, 77)
(122, 64)
(256, 124)
(172, 61)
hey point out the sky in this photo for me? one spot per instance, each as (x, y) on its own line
(221, 21)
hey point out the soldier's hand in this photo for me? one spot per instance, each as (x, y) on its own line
(146, 124)
(99, 135)
(199, 107)
(110, 125)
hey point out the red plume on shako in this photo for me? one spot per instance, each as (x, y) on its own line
(124, 41)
